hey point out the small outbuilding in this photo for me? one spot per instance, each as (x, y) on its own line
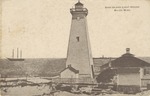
(69, 72)
(127, 72)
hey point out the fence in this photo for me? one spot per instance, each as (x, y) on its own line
(73, 80)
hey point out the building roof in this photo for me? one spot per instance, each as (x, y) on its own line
(79, 4)
(71, 69)
(102, 60)
(128, 70)
(146, 59)
(128, 60)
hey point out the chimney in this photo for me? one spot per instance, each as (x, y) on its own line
(69, 65)
(127, 50)
(20, 53)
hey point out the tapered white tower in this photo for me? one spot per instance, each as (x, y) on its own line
(79, 52)
(0, 28)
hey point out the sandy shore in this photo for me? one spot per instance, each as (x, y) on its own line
(45, 91)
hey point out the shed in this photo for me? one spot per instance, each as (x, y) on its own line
(69, 72)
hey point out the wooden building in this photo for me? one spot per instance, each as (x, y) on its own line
(128, 71)
(69, 72)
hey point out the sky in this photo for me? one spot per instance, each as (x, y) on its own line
(41, 28)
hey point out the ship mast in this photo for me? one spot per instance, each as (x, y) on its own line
(17, 53)
(13, 53)
(20, 53)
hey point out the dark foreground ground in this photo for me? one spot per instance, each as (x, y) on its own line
(42, 87)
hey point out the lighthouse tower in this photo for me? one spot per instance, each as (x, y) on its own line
(79, 52)
(0, 28)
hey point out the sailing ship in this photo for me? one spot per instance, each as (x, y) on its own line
(19, 56)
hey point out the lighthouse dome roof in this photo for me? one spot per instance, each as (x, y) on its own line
(79, 4)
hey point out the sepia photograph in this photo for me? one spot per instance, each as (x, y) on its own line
(74, 47)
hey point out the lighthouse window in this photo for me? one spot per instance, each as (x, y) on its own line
(78, 39)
